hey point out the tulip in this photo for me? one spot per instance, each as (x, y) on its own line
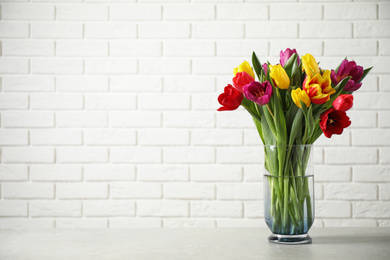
(241, 79)
(343, 102)
(299, 95)
(346, 69)
(230, 99)
(309, 65)
(279, 77)
(319, 87)
(244, 67)
(265, 68)
(334, 122)
(284, 56)
(257, 92)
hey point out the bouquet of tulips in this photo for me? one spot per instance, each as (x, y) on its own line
(292, 104)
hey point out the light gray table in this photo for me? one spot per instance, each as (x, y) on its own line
(238, 243)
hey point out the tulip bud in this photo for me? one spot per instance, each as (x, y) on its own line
(309, 65)
(279, 76)
(245, 66)
(284, 56)
(299, 95)
(343, 102)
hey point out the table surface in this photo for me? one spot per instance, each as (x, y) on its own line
(191, 243)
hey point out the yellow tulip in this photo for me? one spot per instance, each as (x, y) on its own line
(279, 76)
(309, 65)
(299, 95)
(319, 87)
(246, 67)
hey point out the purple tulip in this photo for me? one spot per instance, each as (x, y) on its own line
(284, 56)
(346, 69)
(257, 92)
(265, 67)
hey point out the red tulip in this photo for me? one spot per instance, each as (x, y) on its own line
(230, 99)
(334, 122)
(241, 79)
(343, 102)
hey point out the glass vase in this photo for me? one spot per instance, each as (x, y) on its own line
(288, 193)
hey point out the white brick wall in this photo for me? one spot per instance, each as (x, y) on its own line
(108, 112)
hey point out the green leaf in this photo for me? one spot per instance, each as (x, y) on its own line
(289, 64)
(296, 126)
(365, 72)
(257, 66)
(250, 107)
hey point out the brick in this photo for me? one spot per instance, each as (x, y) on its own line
(188, 155)
(296, 11)
(163, 137)
(58, 137)
(189, 119)
(188, 223)
(14, 30)
(111, 101)
(162, 208)
(384, 47)
(371, 29)
(26, 223)
(28, 83)
(242, 48)
(350, 11)
(135, 190)
(349, 223)
(110, 66)
(13, 208)
(380, 64)
(203, 101)
(13, 137)
(382, 83)
(110, 30)
(333, 29)
(384, 191)
(384, 155)
(162, 173)
(384, 119)
(56, 66)
(28, 12)
(251, 137)
(240, 191)
(55, 208)
(242, 12)
(28, 154)
(189, 83)
(331, 173)
(27, 48)
(336, 140)
(361, 47)
(253, 173)
(56, 101)
(82, 48)
(14, 66)
(163, 30)
(216, 137)
(58, 30)
(189, 191)
(215, 66)
(109, 208)
(384, 9)
(362, 119)
(13, 172)
(343, 155)
(185, 48)
(350, 191)
(268, 29)
(55, 172)
(223, 209)
(164, 66)
(135, 12)
(135, 119)
(189, 12)
(81, 223)
(138, 83)
(137, 48)
(383, 223)
(240, 155)
(240, 223)
(28, 190)
(333, 209)
(109, 172)
(372, 173)
(82, 119)
(164, 101)
(371, 101)
(216, 173)
(82, 190)
(82, 83)
(239, 119)
(82, 12)
(135, 223)
(135, 155)
(254, 209)
(217, 30)
(81, 154)
(370, 209)
(375, 137)
(109, 137)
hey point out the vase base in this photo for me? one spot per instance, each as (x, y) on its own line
(290, 239)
